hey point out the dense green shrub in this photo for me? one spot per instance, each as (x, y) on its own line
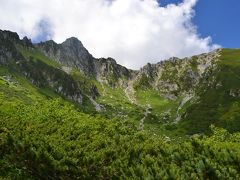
(52, 140)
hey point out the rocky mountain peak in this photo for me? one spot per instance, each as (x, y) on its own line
(110, 72)
(73, 41)
(8, 50)
(9, 36)
(70, 53)
(73, 50)
(164, 76)
(26, 41)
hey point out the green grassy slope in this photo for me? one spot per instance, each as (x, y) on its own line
(51, 139)
(36, 54)
(36, 72)
(157, 103)
(14, 87)
(218, 103)
(45, 135)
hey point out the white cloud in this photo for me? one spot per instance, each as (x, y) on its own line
(133, 32)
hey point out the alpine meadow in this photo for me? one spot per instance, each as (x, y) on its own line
(66, 114)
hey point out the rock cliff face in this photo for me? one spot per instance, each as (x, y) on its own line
(191, 92)
(37, 72)
(44, 76)
(70, 53)
(175, 76)
(8, 51)
(171, 78)
(111, 73)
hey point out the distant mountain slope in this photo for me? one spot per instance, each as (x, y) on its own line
(181, 96)
(219, 96)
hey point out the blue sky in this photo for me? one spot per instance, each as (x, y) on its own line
(219, 19)
(134, 32)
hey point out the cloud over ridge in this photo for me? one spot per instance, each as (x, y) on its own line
(133, 32)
